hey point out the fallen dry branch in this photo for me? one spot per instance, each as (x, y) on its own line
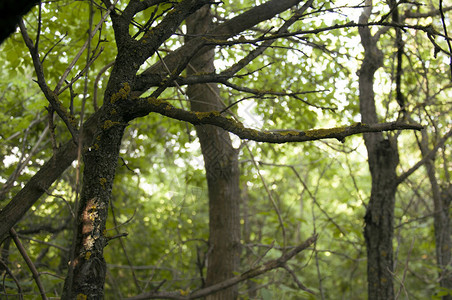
(254, 272)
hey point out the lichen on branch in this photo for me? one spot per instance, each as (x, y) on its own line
(144, 106)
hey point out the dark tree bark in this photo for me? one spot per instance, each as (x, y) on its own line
(383, 159)
(441, 219)
(88, 268)
(42, 180)
(222, 170)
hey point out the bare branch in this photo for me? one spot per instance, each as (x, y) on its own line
(52, 97)
(30, 264)
(228, 29)
(426, 157)
(77, 56)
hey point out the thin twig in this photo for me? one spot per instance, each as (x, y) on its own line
(29, 263)
(96, 83)
(123, 247)
(402, 286)
(443, 21)
(50, 96)
(11, 274)
(77, 56)
(300, 285)
(269, 194)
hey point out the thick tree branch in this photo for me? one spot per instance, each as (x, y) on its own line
(152, 39)
(132, 53)
(224, 31)
(141, 107)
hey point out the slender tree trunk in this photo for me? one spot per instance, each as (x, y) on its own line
(441, 221)
(383, 159)
(221, 163)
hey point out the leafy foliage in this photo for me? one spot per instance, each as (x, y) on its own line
(160, 196)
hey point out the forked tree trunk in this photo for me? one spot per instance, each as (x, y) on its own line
(222, 171)
(383, 159)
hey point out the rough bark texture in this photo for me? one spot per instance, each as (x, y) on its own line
(86, 275)
(88, 265)
(221, 163)
(441, 220)
(383, 159)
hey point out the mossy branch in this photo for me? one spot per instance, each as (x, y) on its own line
(142, 107)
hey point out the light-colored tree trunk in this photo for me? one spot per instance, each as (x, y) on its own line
(222, 171)
(441, 219)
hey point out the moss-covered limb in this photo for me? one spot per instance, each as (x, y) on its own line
(141, 107)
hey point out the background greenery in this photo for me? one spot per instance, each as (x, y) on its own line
(160, 194)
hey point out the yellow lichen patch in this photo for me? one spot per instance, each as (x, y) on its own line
(103, 181)
(81, 297)
(238, 124)
(87, 255)
(205, 114)
(253, 132)
(318, 133)
(123, 93)
(96, 146)
(109, 123)
(290, 132)
(113, 112)
(157, 102)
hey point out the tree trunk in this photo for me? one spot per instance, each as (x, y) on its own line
(87, 269)
(222, 171)
(383, 159)
(441, 221)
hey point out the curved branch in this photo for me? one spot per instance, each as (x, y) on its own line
(141, 107)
